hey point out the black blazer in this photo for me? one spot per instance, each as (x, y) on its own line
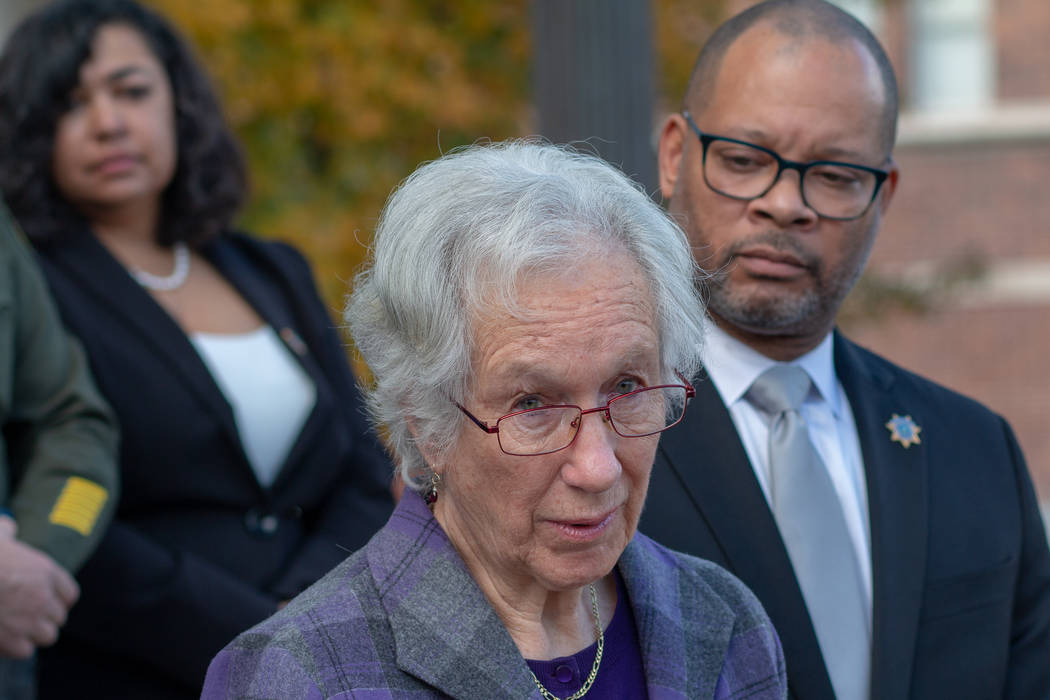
(199, 550)
(959, 554)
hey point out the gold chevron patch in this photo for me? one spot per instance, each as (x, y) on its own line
(79, 505)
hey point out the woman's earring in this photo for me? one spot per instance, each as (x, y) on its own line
(431, 494)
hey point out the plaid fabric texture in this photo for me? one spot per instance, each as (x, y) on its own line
(402, 618)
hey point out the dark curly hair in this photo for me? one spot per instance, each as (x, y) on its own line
(39, 69)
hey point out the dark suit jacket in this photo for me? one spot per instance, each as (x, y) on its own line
(199, 550)
(959, 554)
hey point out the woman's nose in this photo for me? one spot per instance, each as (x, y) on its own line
(593, 464)
(107, 118)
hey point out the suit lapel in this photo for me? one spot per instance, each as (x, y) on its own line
(706, 455)
(441, 621)
(83, 259)
(897, 507)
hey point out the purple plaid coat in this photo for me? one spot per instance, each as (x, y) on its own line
(403, 618)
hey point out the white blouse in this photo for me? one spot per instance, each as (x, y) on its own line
(269, 391)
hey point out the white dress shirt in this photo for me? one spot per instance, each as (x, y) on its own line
(733, 367)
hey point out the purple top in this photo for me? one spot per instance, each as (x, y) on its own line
(621, 675)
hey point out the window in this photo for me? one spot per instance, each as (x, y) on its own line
(953, 59)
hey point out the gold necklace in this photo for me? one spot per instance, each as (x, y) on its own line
(597, 657)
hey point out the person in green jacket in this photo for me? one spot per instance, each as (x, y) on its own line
(58, 471)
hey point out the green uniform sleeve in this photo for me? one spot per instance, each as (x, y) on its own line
(58, 469)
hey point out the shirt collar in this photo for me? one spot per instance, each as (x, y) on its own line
(734, 366)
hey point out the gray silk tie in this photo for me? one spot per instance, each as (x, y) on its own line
(809, 516)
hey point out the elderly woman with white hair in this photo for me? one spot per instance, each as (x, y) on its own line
(530, 319)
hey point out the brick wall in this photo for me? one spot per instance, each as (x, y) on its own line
(989, 198)
(1023, 51)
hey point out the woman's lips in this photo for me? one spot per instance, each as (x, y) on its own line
(115, 165)
(586, 529)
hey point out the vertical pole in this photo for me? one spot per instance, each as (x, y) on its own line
(593, 79)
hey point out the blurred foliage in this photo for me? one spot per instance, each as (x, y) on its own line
(336, 102)
(682, 27)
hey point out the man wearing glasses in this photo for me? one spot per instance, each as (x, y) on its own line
(888, 525)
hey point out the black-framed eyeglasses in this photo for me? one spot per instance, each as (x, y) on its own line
(540, 431)
(745, 171)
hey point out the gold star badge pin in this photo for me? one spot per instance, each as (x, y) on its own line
(903, 430)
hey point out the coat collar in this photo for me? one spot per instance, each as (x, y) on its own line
(674, 653)
(442, 622)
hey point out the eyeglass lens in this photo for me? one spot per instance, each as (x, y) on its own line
(744, 172)
(550, 429)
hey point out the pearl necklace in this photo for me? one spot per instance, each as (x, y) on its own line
(597, 657)
(170, 282)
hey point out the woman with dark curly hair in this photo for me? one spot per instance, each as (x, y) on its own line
(248, 470)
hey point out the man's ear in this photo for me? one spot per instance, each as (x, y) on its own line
(670, 151)
(889, 187)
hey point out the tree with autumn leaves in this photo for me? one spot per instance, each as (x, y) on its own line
(336, 102)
